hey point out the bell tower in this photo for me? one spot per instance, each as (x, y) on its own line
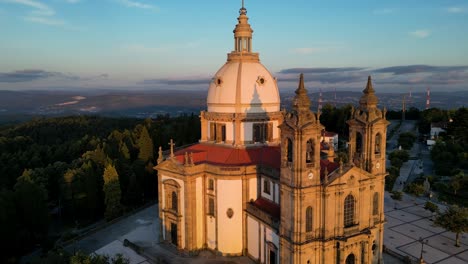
(368, 133)
(300, 176)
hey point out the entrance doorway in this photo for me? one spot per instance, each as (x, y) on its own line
(272, 257)
(174, 234)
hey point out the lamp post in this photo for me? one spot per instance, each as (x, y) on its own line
(421, 260)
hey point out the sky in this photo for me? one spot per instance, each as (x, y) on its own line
(180, 44)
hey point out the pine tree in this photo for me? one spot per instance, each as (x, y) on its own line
(145, 144)
(112, 192)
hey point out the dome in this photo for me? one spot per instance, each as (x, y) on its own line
(243, 87)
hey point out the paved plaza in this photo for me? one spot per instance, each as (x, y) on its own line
(409, 223)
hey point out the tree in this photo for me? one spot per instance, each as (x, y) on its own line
(457, 182)
(454, 219)
(406, 140)
(432, 207)
(145, 145)
(414, 188)
(8, 225)
(81, 258)
(112, 193)
(31, 212)
(396, 195)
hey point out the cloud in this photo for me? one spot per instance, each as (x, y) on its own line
(423, 33)
(45, 20)
(306, 51)
(409, 69)
(33, 75)
(72, 1)
(166, 81)
(409, 75)
(383, 11)
(40, 9)
(136, 4)
(42, 13)
(327, 78)
(139, 48)
(456, 10)
(318, 70)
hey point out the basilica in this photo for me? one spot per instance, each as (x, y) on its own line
(258, 183)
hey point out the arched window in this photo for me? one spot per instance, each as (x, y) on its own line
(174, 201)
(378, 143)
(309, 219)
(290, 150)
(375, 204)
(351, 259)
(310, 151)
(349, 211)
(358, 143)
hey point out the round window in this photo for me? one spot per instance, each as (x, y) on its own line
(261, 80)
(218, 81)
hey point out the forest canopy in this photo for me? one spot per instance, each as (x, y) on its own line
(56, 171)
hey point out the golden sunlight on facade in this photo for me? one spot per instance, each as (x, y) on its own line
(256, 184)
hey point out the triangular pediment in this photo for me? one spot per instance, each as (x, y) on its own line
(351, 176)
(171, 165)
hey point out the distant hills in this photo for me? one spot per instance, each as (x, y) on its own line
(22, 105)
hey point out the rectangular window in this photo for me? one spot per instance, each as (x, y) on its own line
(217, 132)
(262, 132)
(211, 207)
(266, 186)
(220, 132)
(270, 132)
(212, 131)
(211, 184)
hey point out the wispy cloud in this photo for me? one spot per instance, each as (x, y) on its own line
(137, 4)
(395, 75)
(45, 20)
(319, 70)
(409, 69)
(40, 9)
(384, 11)
(72, 1)
(423, 33)
(317, 48)
(139, 48)
(456, 10)
(42, 13)
(166, 81)
(307, 51)
(32, 75)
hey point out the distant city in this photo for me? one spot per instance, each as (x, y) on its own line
(23, 105)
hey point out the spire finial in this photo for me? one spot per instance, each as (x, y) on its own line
(301, 86)
(369, 88)
(243, 11)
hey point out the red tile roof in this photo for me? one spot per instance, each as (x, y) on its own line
(328, 134)
(331, 166)
(228, 156)
(268, 207)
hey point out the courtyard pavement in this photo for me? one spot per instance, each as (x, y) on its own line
(410, 222)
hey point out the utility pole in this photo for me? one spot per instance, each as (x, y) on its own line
(403, 109)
